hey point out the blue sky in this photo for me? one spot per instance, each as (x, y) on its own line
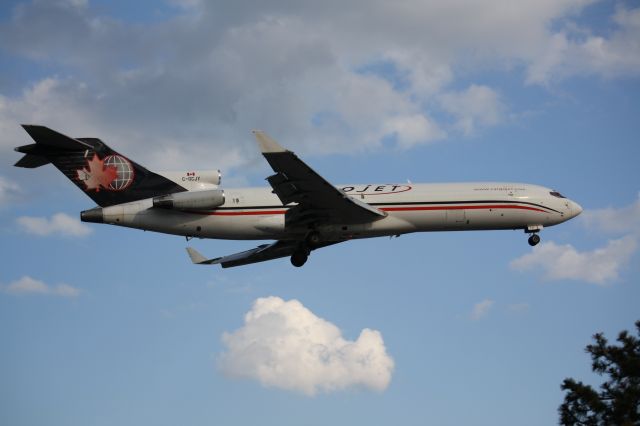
(101, 325)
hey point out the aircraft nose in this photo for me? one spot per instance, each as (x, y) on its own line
(576, 208)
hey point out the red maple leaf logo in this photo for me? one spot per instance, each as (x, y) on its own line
(97, 175)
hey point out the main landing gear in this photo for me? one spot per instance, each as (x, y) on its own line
(301, 255)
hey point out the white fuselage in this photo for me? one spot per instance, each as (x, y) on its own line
(258, 214)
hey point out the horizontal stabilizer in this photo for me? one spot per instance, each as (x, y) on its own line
(45, 136)
(31, 161)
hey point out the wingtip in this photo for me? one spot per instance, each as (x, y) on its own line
(199, 259)
(267, 145)
(195, 256)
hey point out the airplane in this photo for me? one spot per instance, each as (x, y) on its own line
(300, 210)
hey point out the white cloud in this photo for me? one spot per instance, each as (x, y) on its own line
(280, 66)
(570, 51)
(475, 107)
(600, 266)
(49, 101)
(427, 75)
(412, 129)
(614, 220)
(283, 344)
(8, 191)
(481, 309)
(28, 285)
(60, 223)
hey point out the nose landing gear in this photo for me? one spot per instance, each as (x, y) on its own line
(534, 238)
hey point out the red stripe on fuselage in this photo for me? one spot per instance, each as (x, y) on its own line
(386, 209)
(243, 213)
(494, 206)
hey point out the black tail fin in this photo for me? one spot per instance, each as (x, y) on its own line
(104, 175)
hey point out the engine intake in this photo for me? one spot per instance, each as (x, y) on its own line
(191, 200)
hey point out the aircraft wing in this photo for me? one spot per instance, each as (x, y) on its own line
(259, 254)
(318, 201)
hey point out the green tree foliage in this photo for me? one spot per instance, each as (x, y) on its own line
(618, 400)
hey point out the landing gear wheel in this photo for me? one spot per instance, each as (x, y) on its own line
(299, 258)
(534, 239)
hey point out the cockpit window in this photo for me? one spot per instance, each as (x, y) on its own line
(557, 194)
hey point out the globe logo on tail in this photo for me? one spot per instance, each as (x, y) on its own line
(113, 173)
(124, 169)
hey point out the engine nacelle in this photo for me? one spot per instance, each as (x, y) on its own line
(191, 200)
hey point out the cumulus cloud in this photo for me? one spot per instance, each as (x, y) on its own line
(28, 285)
(251, 73)
(574, 50)
(59, 223)
(291, 68)
(559, 262)
(624, 220)
(599, 266)
(412, 130)
(481, 309)
(283, 344)
(475, 107)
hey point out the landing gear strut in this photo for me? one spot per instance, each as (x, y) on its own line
(534, 239)
(311, 241)
(301, 255)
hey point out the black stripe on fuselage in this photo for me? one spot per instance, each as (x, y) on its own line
(464, 202)
(409, 203)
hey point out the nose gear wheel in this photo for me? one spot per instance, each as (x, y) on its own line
(534, 239)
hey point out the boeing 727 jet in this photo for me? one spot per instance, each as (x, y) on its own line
(301, 210)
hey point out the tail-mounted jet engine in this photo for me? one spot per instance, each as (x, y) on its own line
(191, 200)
